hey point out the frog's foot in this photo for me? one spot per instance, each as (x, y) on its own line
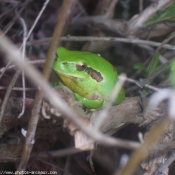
(93, 103)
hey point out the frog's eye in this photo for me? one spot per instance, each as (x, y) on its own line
(81, 66)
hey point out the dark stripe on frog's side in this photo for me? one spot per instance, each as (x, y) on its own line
(94, 74)
(90, 71)
(82, 67)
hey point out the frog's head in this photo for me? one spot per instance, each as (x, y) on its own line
(76, 65)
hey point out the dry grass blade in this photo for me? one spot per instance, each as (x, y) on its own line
(155, 132)
(46, 73)
(136, 23)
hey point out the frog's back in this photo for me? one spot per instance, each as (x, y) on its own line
(100, 70)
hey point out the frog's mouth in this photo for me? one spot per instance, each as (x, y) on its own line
(67, 76)
(68, 80)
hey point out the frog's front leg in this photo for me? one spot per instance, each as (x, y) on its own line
(96, 101)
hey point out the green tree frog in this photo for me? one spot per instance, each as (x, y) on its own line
(88, 75)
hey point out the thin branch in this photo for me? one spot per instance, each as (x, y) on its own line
(7, 94)
(37, 18)
(139, 21)
(35, 62)
(166, 164)
(140, 6)
(107, 39)
(23, 57)
(138, 84)
(152, 136)
(110, 10)
(156, 73)
(58, 153)
(18, 88)
(25, 38)
(165, 41)
(163, 67)
(12, 22)
(4, 69)
(65, 11)
(67, 166)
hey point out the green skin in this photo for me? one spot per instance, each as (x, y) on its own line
(88, 75)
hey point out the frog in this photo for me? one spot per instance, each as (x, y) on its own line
(91, 77)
